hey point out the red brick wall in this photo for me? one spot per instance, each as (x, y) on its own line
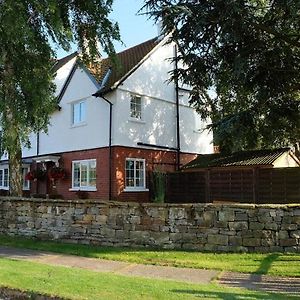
(155, 159)
(102, 169)
(164, 160)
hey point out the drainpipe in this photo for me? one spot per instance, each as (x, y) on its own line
(37, 143)
(100, 95)
(37, 154)
(177, 109)
(110, 148)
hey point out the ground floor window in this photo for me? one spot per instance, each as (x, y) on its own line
(84, 174)
(135, 173)
(4, 178)
(25, 170)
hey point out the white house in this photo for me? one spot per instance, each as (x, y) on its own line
(114, 126)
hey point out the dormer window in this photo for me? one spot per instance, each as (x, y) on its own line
(78, 112)
(136, 107)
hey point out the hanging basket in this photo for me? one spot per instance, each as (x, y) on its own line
(57, 173)
(36, 175)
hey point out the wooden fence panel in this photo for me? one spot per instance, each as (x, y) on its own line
(280, 185)
(231, 185)
(186, 187)
(277, 185)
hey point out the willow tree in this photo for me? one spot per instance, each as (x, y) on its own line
(242, 60)
(28, 31)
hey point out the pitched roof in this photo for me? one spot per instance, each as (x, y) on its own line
(242, 158)
(126, 62)
(61, 62)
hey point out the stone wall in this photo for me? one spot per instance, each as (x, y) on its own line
(217, 227)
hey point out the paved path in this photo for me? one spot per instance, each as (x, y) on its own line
(198, 276)
(122, 268)
(266, 283)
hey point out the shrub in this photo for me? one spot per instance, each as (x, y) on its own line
(159, 186)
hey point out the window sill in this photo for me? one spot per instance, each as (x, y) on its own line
(87, 189)
(128, 189)
(136, 121)
(78, 125)
(5, 188)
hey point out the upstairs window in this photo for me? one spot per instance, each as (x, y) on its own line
(79, 112)
(135, 173)
(136, 107)
(84, 174)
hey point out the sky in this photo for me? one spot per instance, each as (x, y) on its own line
(134, 28)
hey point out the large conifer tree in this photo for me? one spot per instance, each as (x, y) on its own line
(248, 53)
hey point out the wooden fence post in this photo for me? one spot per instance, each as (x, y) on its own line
(207, 186)
(255, 184)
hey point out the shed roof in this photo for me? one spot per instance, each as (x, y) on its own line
(241, 158)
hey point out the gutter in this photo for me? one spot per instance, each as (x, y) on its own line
(156, 146)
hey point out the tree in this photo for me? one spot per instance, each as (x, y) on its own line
(242, 60)
(26, 59)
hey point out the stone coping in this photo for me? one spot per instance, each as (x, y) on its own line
(138, 204)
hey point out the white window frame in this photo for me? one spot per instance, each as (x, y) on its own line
(88, 187)
(131, 112)
(83, 118)
(26, 183)
(136, 188)
(2, 170)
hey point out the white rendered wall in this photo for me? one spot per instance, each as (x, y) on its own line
(158, 125)
(26, 151)
(62, 135)
(285, 161)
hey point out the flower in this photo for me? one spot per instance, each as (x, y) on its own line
(57, 173)
(35, 174)
(30, 176)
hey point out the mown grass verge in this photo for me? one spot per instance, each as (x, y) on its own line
(277, 264)
(73, 283)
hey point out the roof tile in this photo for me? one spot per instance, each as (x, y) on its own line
(126, 61)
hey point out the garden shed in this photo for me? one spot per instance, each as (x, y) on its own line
(259, 176)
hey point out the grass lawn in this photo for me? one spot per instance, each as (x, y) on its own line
(73, 283)
(273, 264)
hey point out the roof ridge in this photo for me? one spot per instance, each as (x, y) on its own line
(129, 60)
(62, 61)
(135, 46)
(239, 158)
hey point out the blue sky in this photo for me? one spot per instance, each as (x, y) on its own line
(134, 28)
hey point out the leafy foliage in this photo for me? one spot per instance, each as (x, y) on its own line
(158, 180)
(242, 59)
(26, 59)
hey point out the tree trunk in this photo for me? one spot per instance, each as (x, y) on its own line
(15, 163)
(11, 131)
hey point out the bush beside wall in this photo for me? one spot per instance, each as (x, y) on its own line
(209, 227)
